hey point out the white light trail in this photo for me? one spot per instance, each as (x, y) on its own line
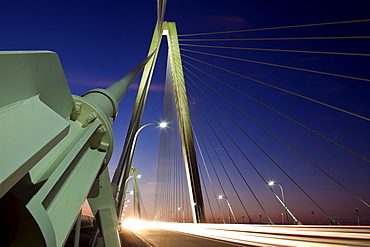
(266, 235)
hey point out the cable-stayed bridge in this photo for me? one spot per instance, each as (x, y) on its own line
(264, 127)
(236, 153)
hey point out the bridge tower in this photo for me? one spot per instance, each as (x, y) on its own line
(186, 129)
(191, 167)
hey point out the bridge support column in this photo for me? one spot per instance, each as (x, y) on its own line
(102, 205)
(186, 129)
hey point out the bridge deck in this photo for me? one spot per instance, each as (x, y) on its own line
(188, 234)
(166, 238)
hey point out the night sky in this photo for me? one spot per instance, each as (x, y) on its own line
(98, 42)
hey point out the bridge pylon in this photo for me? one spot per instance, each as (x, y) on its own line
(186, 129)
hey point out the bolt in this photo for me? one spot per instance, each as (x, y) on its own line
(78, 107)
(103, 146)
(101, 130)
(91, 117)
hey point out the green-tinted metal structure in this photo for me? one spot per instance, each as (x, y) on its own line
(54, 152)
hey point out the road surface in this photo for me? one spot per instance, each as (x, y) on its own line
(165, 238)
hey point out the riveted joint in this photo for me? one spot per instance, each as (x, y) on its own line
(102, 137)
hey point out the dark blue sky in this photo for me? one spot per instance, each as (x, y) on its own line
(98, 42)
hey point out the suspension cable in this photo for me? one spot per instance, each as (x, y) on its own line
(282, 170)
(284, 38)
(236, 167)
(228, 154)
(204, 184)
(278, 65)
(323, 136)
(281, 89)
(277, 50)
(274, 28)
(295, 121)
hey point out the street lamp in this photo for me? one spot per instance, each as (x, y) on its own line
(228, 204)
(120, 203)
(271, 184)
(161, 124)
(282, 218)
(118, 194)
(183, 214)
(126, 182)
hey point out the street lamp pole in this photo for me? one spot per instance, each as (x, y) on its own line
(119, 194)
(162, 125)
(272, 183)
(119, 209)
(228, 204)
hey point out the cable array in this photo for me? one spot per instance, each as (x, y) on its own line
(267, 108)
(172, 199)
